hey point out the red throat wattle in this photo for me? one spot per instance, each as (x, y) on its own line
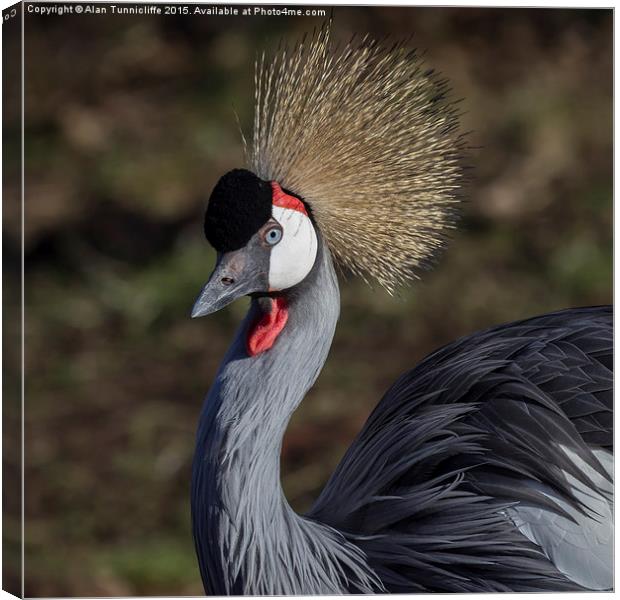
(265, 331)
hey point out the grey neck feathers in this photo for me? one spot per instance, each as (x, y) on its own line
(248, 539)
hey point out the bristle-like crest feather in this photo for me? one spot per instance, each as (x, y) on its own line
(369, 139)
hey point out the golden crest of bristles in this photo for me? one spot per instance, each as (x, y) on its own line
(366, 136)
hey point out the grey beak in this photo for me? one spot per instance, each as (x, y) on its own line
(234, 276)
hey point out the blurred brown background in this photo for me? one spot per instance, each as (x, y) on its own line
(129, 123)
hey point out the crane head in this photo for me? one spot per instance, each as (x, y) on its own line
(264, 238)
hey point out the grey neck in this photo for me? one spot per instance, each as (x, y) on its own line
(249, 541)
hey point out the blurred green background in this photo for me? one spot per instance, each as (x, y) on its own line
(129, 123)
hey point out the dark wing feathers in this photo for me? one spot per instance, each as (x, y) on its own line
(432, 486)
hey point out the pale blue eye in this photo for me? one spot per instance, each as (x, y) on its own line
(273, 236)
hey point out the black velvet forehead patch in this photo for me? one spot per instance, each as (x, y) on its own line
(240, 204)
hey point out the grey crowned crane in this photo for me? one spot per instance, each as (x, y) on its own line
(488, 466)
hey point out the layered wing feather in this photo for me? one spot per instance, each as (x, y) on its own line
(487, 466)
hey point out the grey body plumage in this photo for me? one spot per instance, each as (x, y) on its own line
(487, 467)
(496, 430)
(427, 497)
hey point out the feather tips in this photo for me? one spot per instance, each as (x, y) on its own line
(368, 138)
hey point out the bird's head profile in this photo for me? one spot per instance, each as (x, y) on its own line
(358, 147)
(264, 236)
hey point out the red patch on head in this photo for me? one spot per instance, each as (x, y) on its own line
(284, 200)
(264, 332)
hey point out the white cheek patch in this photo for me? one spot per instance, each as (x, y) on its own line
(293, 256)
